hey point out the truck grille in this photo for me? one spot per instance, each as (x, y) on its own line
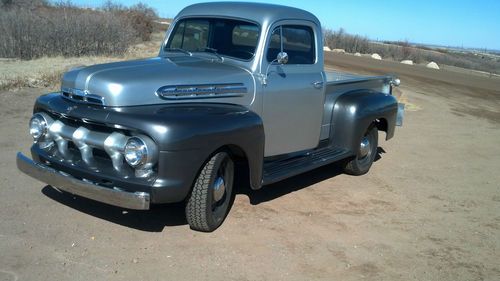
(74, 143)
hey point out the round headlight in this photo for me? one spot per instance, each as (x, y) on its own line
(38, 126)
(136, 152)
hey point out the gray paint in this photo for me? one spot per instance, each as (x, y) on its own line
(355, 111)
(131, 83)
(184, 133)
(282, 119)
(291, 104)
(290, 89)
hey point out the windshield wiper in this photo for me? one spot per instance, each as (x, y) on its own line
(178, 50)
(212, 51)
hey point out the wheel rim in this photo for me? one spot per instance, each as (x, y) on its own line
(221, 189)
(365, 148)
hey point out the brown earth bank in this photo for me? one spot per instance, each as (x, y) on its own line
(428, 210)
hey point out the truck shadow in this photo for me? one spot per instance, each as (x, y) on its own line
(160, 216)
(153, 220)
(296, 183)
(290, 185)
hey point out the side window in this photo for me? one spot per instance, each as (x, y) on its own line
(298, 43)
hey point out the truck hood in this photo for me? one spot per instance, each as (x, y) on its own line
(182, 78)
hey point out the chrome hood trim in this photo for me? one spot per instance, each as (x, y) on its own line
(202, 91)
(159, 80)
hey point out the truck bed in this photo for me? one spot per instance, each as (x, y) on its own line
(338, 77)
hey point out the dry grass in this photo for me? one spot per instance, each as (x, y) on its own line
(42, 80)
(46, 71)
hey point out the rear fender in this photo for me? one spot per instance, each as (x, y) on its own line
(354, 112)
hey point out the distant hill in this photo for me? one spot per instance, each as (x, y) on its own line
(475, 59)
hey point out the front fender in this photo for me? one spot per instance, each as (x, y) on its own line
(201, 130)
(186, 134)
(355, 111)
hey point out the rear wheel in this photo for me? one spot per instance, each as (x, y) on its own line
(366, 154)
(210, 199)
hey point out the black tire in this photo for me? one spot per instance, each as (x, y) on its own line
(203, 211)
(362, 163)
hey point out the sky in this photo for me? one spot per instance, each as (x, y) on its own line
(455, 23)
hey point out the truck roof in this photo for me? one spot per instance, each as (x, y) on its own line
(258, 12)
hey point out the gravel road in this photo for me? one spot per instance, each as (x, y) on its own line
(428, 210)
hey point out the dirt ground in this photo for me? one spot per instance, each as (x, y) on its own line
(428, 210)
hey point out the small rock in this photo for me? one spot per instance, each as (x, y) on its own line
(376, 56)
(433, 65)
(357, 54)
(408, 62)
(135, 260)
(32, 82)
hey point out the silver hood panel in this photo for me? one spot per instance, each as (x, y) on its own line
(131, 83)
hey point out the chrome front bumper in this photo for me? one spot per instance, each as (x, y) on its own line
(129, 200)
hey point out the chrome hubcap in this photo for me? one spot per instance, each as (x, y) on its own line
(364, 148)
(219, 189)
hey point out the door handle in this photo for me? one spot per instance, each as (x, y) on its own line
(317, 84)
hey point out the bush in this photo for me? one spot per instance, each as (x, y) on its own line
(31, 29)
(341, 40)
(28, 34)
(140, 16)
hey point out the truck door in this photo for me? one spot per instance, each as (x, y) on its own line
(294, 93)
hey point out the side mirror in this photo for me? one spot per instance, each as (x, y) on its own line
(396, 82)
(282, 58)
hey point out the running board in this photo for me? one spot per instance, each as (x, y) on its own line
(278, 170)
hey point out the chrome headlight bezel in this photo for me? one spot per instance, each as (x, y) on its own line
(136, 152)
(38, 126)
(145, 150)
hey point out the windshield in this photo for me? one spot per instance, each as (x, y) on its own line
(225, 37)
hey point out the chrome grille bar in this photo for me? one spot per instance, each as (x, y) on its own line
(85, 140)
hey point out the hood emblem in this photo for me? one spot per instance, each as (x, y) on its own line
(201, 91)
(82, 96)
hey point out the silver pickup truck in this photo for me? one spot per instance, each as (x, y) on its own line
(236, 89)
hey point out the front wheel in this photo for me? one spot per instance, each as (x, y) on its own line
(365, 155)
(208, 204)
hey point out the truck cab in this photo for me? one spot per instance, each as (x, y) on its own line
(237, 88)
(252, 38)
